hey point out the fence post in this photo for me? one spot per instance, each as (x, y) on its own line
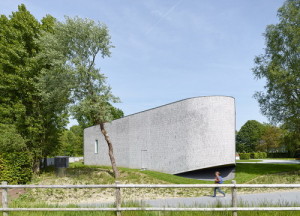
(4, 198)
(234, 197)
(118, 198)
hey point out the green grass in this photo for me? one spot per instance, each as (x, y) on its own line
(168, 178)
(248, 172)
(251, 160)
(280, 158)
(81, 174)
(244, 173)
(144, 213)
(141, 213)
(173, 179)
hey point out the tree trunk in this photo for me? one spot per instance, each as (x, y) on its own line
(36, 165)
(110, 151)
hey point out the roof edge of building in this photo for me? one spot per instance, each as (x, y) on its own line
(169, 104)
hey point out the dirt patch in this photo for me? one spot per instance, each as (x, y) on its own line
(13, 193)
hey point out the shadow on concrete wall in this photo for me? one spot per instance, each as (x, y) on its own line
(227, 172)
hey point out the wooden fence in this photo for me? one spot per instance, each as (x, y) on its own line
(118, 209)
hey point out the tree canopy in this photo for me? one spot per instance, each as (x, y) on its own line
(249, 136)
(22, 105)
(74, 46)
(280, 67)
(46, 67)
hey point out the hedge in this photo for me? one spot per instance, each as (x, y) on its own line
(253, 155)
(258, 155)
(16, 167)
(244, 156)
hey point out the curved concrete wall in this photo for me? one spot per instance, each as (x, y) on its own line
(187, 135)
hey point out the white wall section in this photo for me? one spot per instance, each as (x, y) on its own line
(187, 135)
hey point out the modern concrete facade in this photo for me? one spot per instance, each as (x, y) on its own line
(186, 135)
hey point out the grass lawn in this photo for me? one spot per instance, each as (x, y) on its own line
(81, 174)
(250, 160)
(243, 174)
(280, 158)
(247, 172)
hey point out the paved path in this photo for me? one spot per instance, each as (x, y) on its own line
(270, 161)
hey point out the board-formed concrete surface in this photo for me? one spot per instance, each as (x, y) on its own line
(186, 135)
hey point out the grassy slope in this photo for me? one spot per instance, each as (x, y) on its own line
(244, 173)
(80, 174)
(247, 172)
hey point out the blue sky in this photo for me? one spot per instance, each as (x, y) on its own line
(175, 49)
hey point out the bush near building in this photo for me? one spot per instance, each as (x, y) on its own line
(16, 167)
(253, 155)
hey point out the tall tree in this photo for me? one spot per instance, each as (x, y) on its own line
(38, 116)
(249, 136)
(72, 141)
(271, 139)
(280, 67)
(76, 43)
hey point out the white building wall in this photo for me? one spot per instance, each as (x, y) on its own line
(187, 135)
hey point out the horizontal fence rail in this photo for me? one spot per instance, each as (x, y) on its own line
(157, 209)
(118, 209)
(158, 186)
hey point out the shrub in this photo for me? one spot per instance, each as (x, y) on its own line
(244, 156)
(16, 167)
(264, 154)
(256, 155)
(10, 139)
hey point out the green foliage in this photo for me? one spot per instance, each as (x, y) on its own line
(244, 156)
(246, 172)
(280, 67)
(10, 139)
(263, 155)
(38, 116)
(255, 155)
(74, 47)
(271, 139)
(249, 136)
(84, 39)
(16, 167)
(72, 142)
(258, 155)
(291, 142)
(116, 113)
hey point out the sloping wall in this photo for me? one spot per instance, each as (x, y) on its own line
(187, 135)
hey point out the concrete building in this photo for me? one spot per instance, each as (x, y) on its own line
(187, 135)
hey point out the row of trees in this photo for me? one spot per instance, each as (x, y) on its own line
(48, 71)
(261, 137)
(255, 136)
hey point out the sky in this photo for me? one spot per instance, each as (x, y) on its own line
(175, 49)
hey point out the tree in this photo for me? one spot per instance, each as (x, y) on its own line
(74, 46)
(280, 67)
(72, 141)
(85, 121)
(11, 140)
(35, 114)
(271, 139)
(249, 136)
